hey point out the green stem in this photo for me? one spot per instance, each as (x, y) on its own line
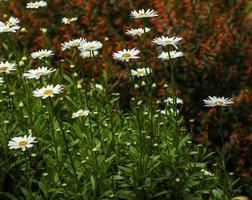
(174, 107)
(28, 171)
(65, 141)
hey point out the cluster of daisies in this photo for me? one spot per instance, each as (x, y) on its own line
(126, 55)
(86, 48)
(91, 49)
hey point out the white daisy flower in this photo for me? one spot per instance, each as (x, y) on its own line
(48, 91)
(206, 173)
(44, 53)
(72, 43)
(90, 46)
(80, 113)
(143, 14)
(5, 28)
(12, 25)
(169, 100)
(43, 30)
(6, 67)
(37, 73)
(22, 142)
(126, 54)
(68, 20)
(217, 101)
(140, 72)
(173, 54)
(36, 4)
(88, 54)
(165, 41)
(137, 31)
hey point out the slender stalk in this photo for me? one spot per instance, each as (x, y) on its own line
(28, 171)
(65, 141)
(8, 93)
(174, 110)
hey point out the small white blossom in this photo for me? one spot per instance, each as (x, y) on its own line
(165, 41)
(137, 31)
(80, 113)
(143, 14)
(206, 173)
(99, 86)
(12, 25)
(68, 20)
(90, 46)
(217, 101)
(48, 91)
(37, 73)
(36, 4)
(22, 142)
(140, 72)
(126, 54)
(173, 54)
(44, 53)
(73, 43)
(6, 67)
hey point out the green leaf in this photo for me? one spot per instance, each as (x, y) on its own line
(93, 183)
(217, 193)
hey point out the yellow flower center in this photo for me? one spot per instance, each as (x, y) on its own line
(43, 54)
(141, 71)
(3, 68)
(23, 143)
(126, 55)
(219, 103)
(92, 47)
(39, 73)
(48, 92)
(81, 113)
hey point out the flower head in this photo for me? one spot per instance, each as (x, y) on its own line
(44, 53)
(80, 113)
(217, 101)
(36, 4)
(21, 142)
(140, 72)
(73, 43)
(37, 73)
(126, 54)
(68, 20)
(90, 46)
(48, 91)
(173, 54)
(206, 173)
(6, 67)
(165, 41)
(98, 86)
(137, 31)
(12, 25)
(143, 14)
